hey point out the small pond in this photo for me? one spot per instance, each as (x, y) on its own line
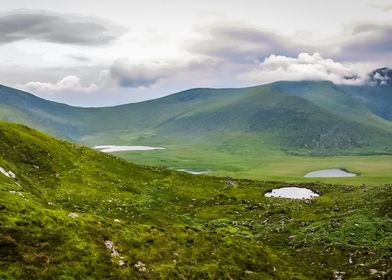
(330, 173)
(113, 148)
(292, 192)
(192, 171)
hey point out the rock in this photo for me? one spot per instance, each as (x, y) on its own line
(230, 182)
(350, 259)
(117, 221)
(121, 263)
(8, 174)
(373, 271)
(338, 275)
(110, 245)
(291, 237)
(73, 215)
(140, 266)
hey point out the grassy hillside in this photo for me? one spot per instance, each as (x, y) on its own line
(314, 116)
(68, 205)
(377, 99)
(278, 131)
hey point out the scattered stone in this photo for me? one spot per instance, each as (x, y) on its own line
(230, 182)
(338, 275)
(350, 259)
(249, 272)
(110, 245)
(50, 203)
(8, 174)
(73, 215)
(121, 263)
(373, 271)
(18, 193)
(117, 221)
(291, 237)
(140, 266)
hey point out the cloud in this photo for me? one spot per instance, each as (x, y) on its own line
(140, 75)
(368, 42)
(303, 67)
(67, 84)
(56, 28)
(79, 58)
(245, 44)
(127, 74)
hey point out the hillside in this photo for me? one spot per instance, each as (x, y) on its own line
(71, 212)
(278, 131)
(318, 117)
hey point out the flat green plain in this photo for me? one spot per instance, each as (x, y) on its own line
(267, 164)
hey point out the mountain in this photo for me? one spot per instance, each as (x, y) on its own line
(55, 118)
(308, 116)
(381, 76)
(69, 212)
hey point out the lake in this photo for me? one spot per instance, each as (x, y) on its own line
(114, 148)
(330, 173)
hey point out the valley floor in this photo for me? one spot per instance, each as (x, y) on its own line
(372, 169)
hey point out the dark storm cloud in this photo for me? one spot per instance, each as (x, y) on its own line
(246, 44)
(55, 28)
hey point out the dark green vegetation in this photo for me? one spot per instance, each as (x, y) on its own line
(173, 225)
(276, 131)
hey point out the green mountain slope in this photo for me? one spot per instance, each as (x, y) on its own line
(377, 99)
(288, 118)
(68, 206)
(315, 116)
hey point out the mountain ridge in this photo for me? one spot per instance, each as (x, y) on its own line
(307, 115)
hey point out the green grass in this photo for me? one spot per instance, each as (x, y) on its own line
(178, 225)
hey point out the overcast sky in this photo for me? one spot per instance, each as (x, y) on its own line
(95, 53)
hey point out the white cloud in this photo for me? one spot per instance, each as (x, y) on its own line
(303, 67)
(69, 83)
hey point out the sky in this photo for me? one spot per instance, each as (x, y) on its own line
(102, 53)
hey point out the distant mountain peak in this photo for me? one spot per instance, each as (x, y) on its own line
(380, 76)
